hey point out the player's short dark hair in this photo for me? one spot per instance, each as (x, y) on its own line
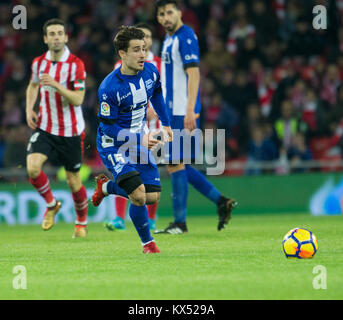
(163, 3)
(125, 34)
(53, 21)
(144, 25)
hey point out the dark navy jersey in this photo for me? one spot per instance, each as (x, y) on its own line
(123, 100)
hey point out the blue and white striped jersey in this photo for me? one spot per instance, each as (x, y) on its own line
(123, 100)
(179, 51)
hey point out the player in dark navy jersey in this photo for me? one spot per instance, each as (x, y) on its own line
(123, 140)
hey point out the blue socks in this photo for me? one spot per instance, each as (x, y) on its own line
(138, 214)
(199, 182)
(179, 196)
(139, 217)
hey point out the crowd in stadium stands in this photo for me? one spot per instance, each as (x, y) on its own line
(268, 77)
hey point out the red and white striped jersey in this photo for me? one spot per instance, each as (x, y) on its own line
(56, 115)
(156, 61)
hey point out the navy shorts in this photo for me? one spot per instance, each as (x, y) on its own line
(184, 148)
(123, 166)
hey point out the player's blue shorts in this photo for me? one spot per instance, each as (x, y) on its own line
(137, 160)
(183, 148)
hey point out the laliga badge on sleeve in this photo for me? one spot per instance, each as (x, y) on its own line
(104, 109)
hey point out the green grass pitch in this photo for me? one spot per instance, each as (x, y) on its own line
(243, 261)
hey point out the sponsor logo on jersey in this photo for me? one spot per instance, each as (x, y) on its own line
(191, 57)
(149, 83)
(125, 96)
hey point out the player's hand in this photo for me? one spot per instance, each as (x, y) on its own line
(190, 120)
(151, 114)
(150, 142)
(168, 137)
(31, 119)
(47, 80)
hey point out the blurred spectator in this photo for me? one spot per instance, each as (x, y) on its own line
(330, 84)
(16, 143)
(291, 11)
(264, 21)
(266, 91)
(314, 114)
(297, 94)
(248, 52)
(11, 113)
(214, 109)
(261, 148)
(298, 152)
(217, 58)
(241, 93)
(302, 41)
(253, 119)
(283, 88)
(287, 126)
(17, 79)
(241, 28)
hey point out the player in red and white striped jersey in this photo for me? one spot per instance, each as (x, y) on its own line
(57, 115)
(59, 125)
(154, 124)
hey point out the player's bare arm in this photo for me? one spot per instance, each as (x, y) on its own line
(31, 97)
(193, 87)
(169, 136)
(151, 114)
(75, 97)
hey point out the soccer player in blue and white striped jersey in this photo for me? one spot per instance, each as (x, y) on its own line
(180, 78)
(123, 142)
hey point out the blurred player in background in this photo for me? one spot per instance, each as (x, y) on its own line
(153, 124)
(180, 78)
(59, 125)
(124, 96)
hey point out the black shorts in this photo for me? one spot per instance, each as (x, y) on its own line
(65, 151)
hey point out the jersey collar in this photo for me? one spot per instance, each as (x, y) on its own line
(64, 56)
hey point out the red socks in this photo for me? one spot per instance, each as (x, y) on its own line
(152, 208)
(81, 206)
(42, 185)
(121, 204)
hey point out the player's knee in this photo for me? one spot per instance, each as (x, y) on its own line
(33, 169)
(34, 163)
(138, 196)
(153, 197)
(138, 199)
(73, 180)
